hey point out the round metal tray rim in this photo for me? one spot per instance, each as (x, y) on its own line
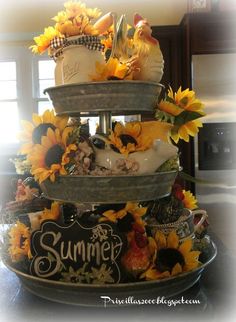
(120, 285)
(123, 176)
(102, 83)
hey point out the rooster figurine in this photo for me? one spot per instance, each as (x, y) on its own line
(147, 60)
(137, 258)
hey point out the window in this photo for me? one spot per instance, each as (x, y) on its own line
(23, 79)
(9, 116)
(44, 78)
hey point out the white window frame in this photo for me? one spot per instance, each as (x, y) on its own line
(27, 85)
(35, 84)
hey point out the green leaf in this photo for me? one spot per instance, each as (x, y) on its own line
(164, 117)
(186, 116)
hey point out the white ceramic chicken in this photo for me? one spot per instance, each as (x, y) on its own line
(148, 161)
(147, 59)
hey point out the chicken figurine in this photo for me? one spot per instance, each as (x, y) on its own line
(137, 258)
(147, 60)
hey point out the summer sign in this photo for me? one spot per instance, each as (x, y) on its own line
(76, 253)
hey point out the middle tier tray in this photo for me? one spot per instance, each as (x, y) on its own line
(109, 189)
(118, 97)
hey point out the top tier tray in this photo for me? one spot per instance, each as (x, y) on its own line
(118, 97)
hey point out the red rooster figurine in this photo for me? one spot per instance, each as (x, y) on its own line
(137, 259)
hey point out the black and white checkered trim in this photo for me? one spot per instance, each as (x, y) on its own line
(90, 42)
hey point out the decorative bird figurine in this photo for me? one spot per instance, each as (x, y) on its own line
(137, 258)
(147, 60)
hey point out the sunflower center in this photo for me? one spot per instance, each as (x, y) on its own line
(126, 139)
(167, 258)
(41, 130)
(125, 224)
(54, 155)
(22, 240)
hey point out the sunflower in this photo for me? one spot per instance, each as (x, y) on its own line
(189, 200)
(51, 214)
(74, 9)
(36, 219)
(33, 132)
(184, 131)
(171, 257)
(176, 103)
(112, 69)
(130, 208)
(51, 156)
(75, 20)
(183, 111)
(129, 138)
(43, 41)
(19, 242)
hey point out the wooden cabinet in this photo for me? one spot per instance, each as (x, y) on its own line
(206, 33)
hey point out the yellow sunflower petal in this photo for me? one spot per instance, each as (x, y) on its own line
(192, 128)
(46, 142)
(36, 119)
(183, 133)
(177, 269)
(152, 246)
(175, 137)
(51, 135)
(52, 177)
(160, 240)
(65, 134)
(28, 126)
(44, 175)
(62, 122)
(170, 108)
(48, 116)
(26, 148)
(186, 246)
(172, 240)
(192, 256)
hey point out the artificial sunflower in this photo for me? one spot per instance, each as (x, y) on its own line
(110, 70)
(130, 208)
(129, 138)
(36, 219)
(50, 157)
(19, 242)
(189, 201)
(183, 111)
(171, 257)
(52, 214)
(184, 131)
(33, 132)
(76, 19)
(43, 41)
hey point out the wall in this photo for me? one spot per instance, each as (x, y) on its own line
(19, 19)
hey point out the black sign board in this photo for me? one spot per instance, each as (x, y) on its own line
(76, 253)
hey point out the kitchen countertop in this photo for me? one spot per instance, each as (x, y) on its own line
(215, 291)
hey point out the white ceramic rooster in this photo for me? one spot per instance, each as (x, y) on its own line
(147, 60)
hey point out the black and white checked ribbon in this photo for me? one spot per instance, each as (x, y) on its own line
(90, 42)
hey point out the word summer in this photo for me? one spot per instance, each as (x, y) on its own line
(108, 301)
(80, 250)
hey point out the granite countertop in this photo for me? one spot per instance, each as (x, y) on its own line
(215, 292)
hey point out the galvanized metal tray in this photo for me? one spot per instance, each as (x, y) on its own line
(109, 189)
(117, 97)
(91, 295)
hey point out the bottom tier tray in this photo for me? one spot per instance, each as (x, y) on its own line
(91, 295)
